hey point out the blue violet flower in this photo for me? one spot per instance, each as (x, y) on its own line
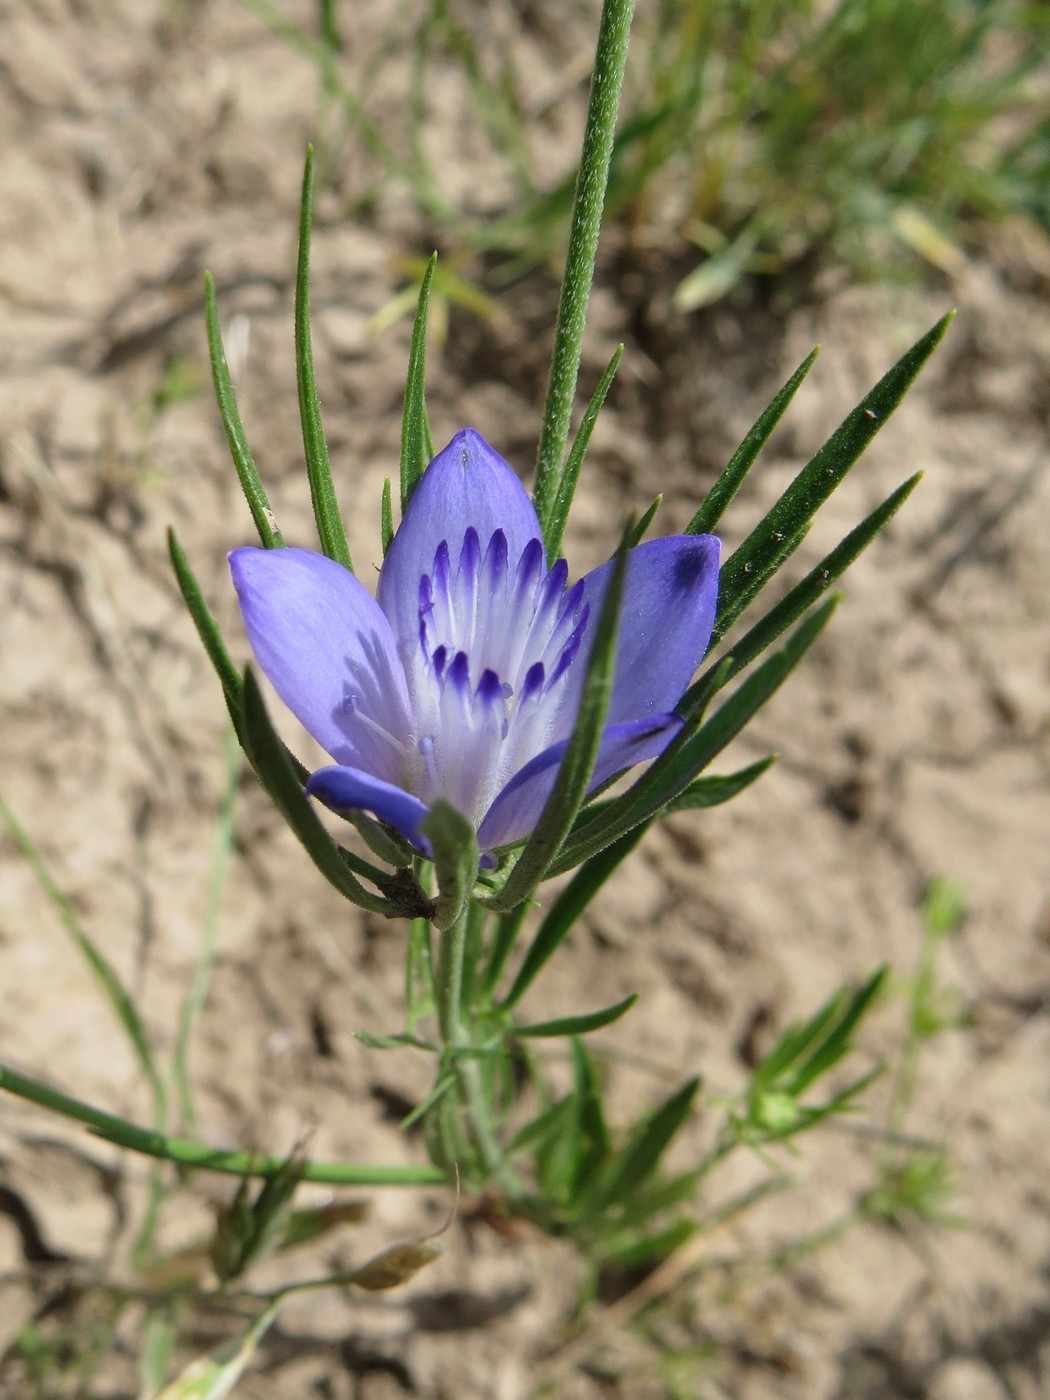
(462, 678)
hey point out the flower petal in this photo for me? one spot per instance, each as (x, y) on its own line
(519, 806)
(467, 485)
(348, 789)
(670, 596)
(328, 650)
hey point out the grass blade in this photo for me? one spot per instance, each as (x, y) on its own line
(322, 492)
(565, 911)
(251, 484)
(197, 994)
(104, 973)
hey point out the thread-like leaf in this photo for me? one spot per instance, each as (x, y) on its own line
(712, 792)
(816, 583)
(819, 478)
(251, 484)
(685, 758)
(208, 631)
(743, 459)
(416, 443)
(277, 775)
(571, 474)
(577, 1025)
(566, 910)
(641, 1155)
(322, 491)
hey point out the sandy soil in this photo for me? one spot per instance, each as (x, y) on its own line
(141, 142)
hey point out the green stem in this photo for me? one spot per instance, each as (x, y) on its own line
(198, 1154)
(603, 105)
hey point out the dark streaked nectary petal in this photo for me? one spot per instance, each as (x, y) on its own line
(668, 612)
(328, 651)
(350, 790)
(519, 806)
(467, 485)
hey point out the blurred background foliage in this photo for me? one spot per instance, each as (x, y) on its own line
(757, 137)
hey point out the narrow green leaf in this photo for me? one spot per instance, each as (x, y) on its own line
(208, 631)
(276, 773)
(731, 605)
(251, 484)
(322, 492)
(394, 1042)
(103, 971)
(712, 792)
(455, 856)
(641, 1155)
(819, 478)
(566, 910)
(743, 459)
(386, 521)
(638, 533)
(577, 1025)
(577, 764)
(632, 1250)
(815, 584)
(839, 1041)
(683, 759)
(571, 474)
(416, 445)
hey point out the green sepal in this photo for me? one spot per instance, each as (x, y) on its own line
(570, 475)
(416, 442)
(277, 775)
(566, 910)
(577, 1025)
(824, 472)
(251, 484)
(691, 751)
(455, 854)
(743, 459)
(322, 491)
(577, 764)
(638, 1159)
